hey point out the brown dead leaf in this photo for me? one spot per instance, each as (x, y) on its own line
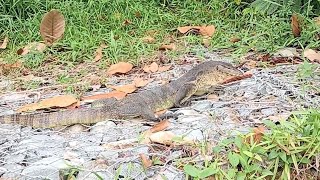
(32, 47)
(137, 14)
(164, 68)
(311, 55)
(15, 65)
(167, 47)
(52, 26)
(148, 39)
(4, 43)
(98, 53)
(121, 67)
(213, 97)
(146, 162)
(186, 29)
(160, 126)
(158, 113)
(127, 22)
(162, 137)
(207, 30)
(113, 94)
(234, 39)
(295, 26)
(247, 74)
(153, 67)
(129, 88)
(59, 101)
(140, 82)
(258, 133)
(317, 20)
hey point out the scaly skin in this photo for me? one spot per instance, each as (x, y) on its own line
(199, 80)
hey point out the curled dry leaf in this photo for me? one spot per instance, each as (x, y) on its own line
(113, 94)
(312, 55)
(4, 43)
(59, 101)
(32, 47)
(98, 53)
(158, 113)
(295, 26)
(162, 137)
(140, 82)
(167, 47)
(52, 26)
(160, 126)
(121, 67)
(164, 68)
(153, 67)
(126, 22)
(258, 133)
(203, 30)
(146, 162)
(130, 88)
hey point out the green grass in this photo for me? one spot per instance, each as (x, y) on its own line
(287, 148)
(91, 22)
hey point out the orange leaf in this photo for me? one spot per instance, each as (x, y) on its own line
(126, 22)
(52, 26)
(207, 30)
(234, 39)
(148, 39)
(121, 67)
(98, 53)
(311, 55)
(185, 29)
(153, 67)
(167, 47)
(32, 47)
(130, 88)
(160, 126)
(59, 101)
(146, 162)
(248, 74)
(140, 82)
(258, 133)
(116, 94)
(295, 26)
(4, 43)
(164, 68)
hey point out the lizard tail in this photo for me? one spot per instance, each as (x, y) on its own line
(56, 119)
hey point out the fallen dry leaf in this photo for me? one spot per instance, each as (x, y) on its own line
(148, 39)
(158, 113)
(59, 101)
(164, 68)
(258, 133)
(4, 43)
(160, 126)
(32, 47)
(311, 55)
(295, 25)
(146, 162)
(234, 39)
(140, 82)
(116, 94)
(98, 53)
(203, 30)
(4, 66)
(162, 137)
(126, 22)
(317, 20)
(167, 47)
(129, 88)
(207, 30)
(52, 26)
(153, 67)
(121, 67)
(213, 97)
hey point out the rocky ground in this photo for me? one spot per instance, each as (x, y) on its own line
(111, 148)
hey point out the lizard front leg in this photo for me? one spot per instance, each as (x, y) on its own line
(184, 93)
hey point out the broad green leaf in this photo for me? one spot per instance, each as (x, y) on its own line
(257, 157)
(248, 153)
(231, 173)
(217, 149)
(207, 172)
(191, 170)
(269, 123)
(233, 159)
(242, 160)
(273, 154)
(305, 160)
(238, 142)
(283, 156)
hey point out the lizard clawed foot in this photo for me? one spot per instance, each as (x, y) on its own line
(168, 116)
(184, 104)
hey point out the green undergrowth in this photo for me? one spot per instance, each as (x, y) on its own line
(91, 22)
(288, 149)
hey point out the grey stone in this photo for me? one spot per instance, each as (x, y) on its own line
(109, 154)
(93, 176)
(41, 172)
(187, 112)
(11, 171)
(287, 52)
(192, 118)
(269, 111)
(172, 174)
(196, 134)
(202, 106)
(92, 151)
(175, 155)
(140, 150)
(15, 158)
(102, 127)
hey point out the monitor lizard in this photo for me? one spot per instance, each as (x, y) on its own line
(197, 81)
